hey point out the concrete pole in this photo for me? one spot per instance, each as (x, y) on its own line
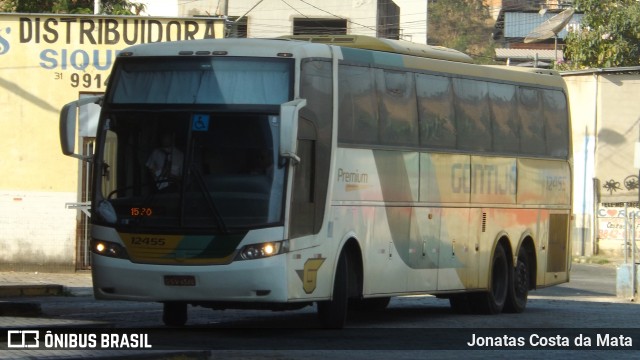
(634, 275)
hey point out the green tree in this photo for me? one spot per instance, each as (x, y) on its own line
(609, 35)
(112, 7)
(464, 25)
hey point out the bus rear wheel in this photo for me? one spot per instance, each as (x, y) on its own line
(493, 301)
(333, 313)
(174, 313)
(519, 284)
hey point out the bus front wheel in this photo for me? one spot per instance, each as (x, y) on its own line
(333, 313)
(174, 313)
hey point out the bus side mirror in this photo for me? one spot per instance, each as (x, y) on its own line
(68, 120)
(289, 129)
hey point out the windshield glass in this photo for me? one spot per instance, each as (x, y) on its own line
(175, 169)
(202, 80)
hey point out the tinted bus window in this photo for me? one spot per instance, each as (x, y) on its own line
(358, 106)
(556, 123)
(504, 111)
(532, 141)
(202, 80)
(472, 115)
(435, 107)
(398, 110)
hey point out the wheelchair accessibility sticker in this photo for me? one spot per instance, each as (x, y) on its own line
(200, 122)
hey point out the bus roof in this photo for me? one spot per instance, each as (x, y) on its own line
(355, 48)
(386, 45)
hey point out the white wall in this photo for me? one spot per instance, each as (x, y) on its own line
(413, 20)
(606, 124)
(161, 7)
(582, 93)
(37, 231)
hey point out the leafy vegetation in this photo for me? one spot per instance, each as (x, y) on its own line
(464, 25)
(609, 35)
(112, 7)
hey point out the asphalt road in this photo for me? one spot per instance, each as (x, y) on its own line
(413, 327)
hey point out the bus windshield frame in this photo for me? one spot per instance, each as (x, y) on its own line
(225, 172)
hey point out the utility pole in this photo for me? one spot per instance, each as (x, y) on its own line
(426, 26)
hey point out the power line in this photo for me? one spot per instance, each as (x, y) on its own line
(339, 17)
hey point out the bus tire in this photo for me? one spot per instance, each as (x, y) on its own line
(174, 313)
(333, 313)
(493, 301)
(519, 284)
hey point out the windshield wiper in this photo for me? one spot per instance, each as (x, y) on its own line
(210, 202)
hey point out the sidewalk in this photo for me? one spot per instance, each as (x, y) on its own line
(33, 284)
(16, 314)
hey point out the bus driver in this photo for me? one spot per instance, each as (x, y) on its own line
(165, 163)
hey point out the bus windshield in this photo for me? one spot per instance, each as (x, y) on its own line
(190, 170)
(202, 80)
(211, 165)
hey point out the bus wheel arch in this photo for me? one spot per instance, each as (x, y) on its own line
(347, 284)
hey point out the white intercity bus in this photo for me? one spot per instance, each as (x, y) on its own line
(331, 170)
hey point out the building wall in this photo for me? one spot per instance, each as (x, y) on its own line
(271, 19)
(605, 114)
(275, 18)
(38, 232)
(581, 101)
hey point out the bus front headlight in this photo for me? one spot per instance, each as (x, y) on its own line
(263, 250)
(108, 248)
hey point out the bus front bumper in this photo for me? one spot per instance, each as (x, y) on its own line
(262, 280)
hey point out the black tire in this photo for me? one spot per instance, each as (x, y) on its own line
(333, 313)
(493, 301)
(519, 284)
(369, 305)
(174, 314)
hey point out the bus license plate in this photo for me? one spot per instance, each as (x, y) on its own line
(179, 280)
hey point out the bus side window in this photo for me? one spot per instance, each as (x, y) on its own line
(398, 110)
(436, 112)
(556, 123)
(532, 134)
(358, 108)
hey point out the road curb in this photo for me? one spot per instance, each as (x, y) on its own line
(7, 291)
(26, 309)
